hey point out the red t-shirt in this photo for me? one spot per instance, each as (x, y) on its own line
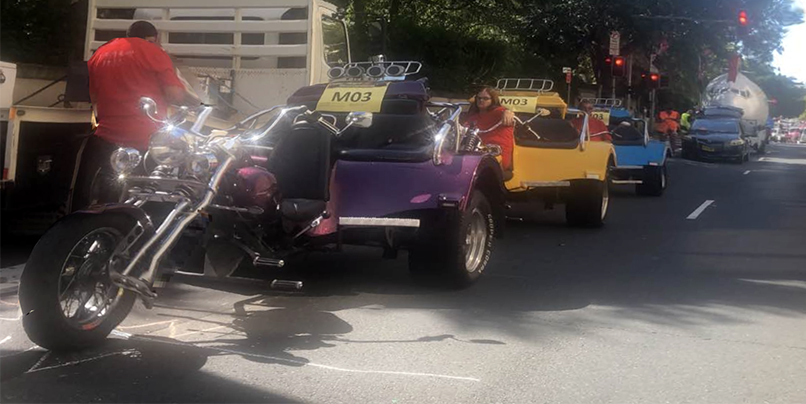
(503, 136)
(598, 129)
(122, 71)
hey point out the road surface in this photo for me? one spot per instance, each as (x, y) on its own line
(677, 299)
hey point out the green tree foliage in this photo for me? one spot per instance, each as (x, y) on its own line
(38, 31)
(466, 43)
(788, 94)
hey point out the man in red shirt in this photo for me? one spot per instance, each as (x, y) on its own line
(598, 130)
(121, 71)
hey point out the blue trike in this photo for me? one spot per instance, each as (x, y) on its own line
(640, 160)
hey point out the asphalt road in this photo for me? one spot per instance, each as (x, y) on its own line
(652, 308)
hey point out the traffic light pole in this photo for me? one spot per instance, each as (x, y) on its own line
(652, 109)
(613, 91)
(629, 85)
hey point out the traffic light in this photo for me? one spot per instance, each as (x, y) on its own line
(619, 66)
(744, 23)
(743, 18)
(654, 80)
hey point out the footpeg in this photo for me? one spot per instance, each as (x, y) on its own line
(286, 285)
(268, 262)
(135, 285)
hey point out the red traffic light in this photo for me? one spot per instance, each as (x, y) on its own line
(618, 66)
(654, 77)
(608, 60)
(743, 18)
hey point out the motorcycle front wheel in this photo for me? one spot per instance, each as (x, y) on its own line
(67, 298)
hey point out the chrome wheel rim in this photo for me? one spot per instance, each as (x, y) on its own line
(663, 178)
(475, 241)
(86, 294)
(605, 199)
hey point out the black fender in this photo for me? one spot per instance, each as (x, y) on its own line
(138, 214)
(489, 179)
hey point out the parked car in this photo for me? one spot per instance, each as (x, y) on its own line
(717, 139)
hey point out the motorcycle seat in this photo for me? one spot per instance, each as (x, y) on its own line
(302, 210)
(392, 137)
(627, 136)
(418, 155)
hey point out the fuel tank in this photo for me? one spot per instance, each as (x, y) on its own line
(254, 187)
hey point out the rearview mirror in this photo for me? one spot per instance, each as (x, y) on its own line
(149, 107)
(359, 119)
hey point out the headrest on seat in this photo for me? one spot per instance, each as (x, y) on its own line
(390, 130)
(549, 130)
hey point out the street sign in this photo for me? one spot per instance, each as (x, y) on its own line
(568, 77)
(566, 70)
(615, 43)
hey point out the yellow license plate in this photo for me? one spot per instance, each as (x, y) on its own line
(706, 148)
(349, 97)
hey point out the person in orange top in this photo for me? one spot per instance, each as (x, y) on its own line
(598, 129)
(486, 112)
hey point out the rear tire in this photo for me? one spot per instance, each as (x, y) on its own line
(655, 181)
(59, 261)
(588, 203)
(453, 250)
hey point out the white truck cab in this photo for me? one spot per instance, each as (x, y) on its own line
(240, 55)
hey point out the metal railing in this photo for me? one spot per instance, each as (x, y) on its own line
(539, 85)
(229, 19)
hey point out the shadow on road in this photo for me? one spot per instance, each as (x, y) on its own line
(136, 371)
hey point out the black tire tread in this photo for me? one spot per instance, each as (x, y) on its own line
(438, 258)
(42, 319)
(584, 207)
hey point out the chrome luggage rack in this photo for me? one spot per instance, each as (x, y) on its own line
(607, 102)
(375, 70)
(514, 84)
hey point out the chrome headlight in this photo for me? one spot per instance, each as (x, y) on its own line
(203, 164)
(170, 146)
(124, 160)
(737, 142)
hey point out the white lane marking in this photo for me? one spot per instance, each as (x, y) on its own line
(19, 317)
(128, 327)
(94, 358)
(121, 334)
(6, 339)
(746, 172)
(197, 332)
(697, 212)
(39, 362)
(316, 365)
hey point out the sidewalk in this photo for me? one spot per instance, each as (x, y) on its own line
(10, 279)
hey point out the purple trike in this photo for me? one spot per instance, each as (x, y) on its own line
(365, 160)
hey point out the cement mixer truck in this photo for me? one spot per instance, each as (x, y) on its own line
(747, 96)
